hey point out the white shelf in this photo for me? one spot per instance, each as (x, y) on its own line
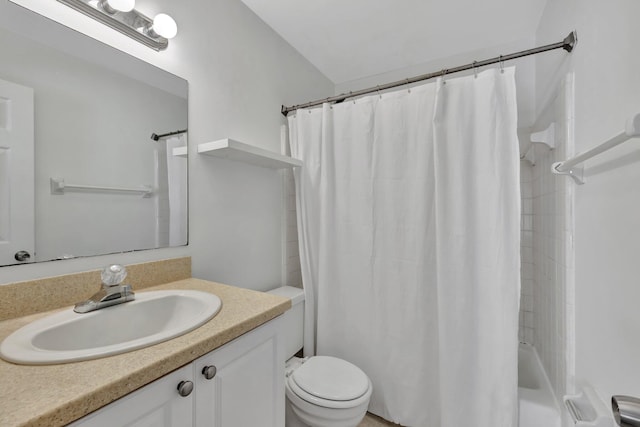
(241, 152)
(180, 151)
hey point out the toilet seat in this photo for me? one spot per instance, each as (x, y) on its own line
(330, 382)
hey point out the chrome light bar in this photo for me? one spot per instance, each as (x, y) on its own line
(134, 24)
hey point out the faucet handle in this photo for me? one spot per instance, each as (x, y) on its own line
(113, 275)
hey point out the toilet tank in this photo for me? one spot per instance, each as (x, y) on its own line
(293, 319)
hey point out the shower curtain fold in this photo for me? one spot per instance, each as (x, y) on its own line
(409, 225)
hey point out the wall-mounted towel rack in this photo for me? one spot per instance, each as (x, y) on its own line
(546, 137)
(58, 187)
(569, 167)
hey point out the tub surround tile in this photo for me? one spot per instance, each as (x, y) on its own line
(553, 276)
(34, 296)
(55, 395)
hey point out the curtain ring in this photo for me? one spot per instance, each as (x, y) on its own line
(378, 90)
(408, 82)
(444, 72)
(475, 70)
(501, 65)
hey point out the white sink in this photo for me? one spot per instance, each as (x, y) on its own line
(151, 318)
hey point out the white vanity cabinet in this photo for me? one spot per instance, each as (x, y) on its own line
(245, 388)
(158, 404)
(248, 386)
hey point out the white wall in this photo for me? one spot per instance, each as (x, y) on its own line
(239, 72)
(607, 207)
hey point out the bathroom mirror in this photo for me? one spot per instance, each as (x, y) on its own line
(80, 174)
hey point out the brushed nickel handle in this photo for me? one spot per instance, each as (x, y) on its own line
(209, 371)
(185, 388)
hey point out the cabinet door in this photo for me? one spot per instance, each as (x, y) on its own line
(248, 387)
(158, 404)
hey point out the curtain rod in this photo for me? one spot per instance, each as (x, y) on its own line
(567, 44)
(156, 137)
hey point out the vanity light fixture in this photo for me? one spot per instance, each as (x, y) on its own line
(163, 26)
(121, 16)
(113, 6)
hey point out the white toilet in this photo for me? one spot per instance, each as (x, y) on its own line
(322, 391)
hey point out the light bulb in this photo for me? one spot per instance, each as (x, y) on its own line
(113, 6)
(165, 26)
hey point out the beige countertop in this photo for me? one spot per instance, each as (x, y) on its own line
(55, 395)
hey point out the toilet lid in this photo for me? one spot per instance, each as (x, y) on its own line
(331, 378)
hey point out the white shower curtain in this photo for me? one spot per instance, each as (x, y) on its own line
(409, 230)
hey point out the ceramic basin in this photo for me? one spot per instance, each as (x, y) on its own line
(151, 318)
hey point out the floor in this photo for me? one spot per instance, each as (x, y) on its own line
(371, 420)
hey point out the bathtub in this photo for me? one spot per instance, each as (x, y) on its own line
(536, 403)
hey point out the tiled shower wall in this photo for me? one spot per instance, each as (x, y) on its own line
(291, 271)
(553, 253)
(291, 255)
(525, 331)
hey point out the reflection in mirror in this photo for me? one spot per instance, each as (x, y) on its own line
(80, 174)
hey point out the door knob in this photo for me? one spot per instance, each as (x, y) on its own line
(22, 256)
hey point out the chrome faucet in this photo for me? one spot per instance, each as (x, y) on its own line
(626, 410)
(113, 291)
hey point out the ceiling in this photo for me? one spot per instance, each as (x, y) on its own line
(351, 39)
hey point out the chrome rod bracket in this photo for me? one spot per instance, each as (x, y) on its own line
(570, 41)
(576, 172)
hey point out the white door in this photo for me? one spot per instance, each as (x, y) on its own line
(17, 242)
